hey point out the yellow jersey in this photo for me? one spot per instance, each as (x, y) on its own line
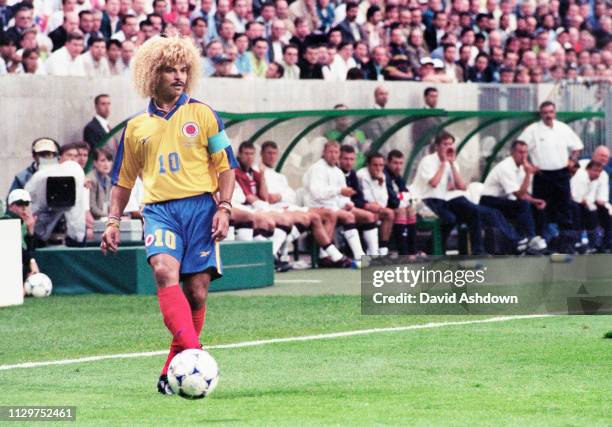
(179, 153)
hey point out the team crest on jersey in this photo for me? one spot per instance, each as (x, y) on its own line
(149, 239)
(190, 129)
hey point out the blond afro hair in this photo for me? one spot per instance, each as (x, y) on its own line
(159, 52)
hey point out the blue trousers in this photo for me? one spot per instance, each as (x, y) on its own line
(457, 211)
(518, 212)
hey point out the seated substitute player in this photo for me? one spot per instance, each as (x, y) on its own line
(184, 155)
(253, 186)
(507, 189)
(365, 211)
(400, 200)
(282, 195)
(443, 191)
(327, 190)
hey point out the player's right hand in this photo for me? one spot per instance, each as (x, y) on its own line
(110, 239)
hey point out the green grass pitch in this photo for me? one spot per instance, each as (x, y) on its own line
(524, 372)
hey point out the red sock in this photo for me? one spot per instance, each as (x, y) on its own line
(177, 316)
(198, 317)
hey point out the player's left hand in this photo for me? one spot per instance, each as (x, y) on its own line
(220, 224)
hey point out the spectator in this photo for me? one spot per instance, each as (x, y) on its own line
(213, 50)
(306, 11)
(507, 189)
(100, 192)
(259, 63)
(97, 129)
(18, 207)
(67, 61)
(127, 52)
(310, 68)
(480, 72)
(351, 30)
(289, 62)
(277, 41)
(267, 19)
(113, 56)
(342, 62)
(551, 144)
(44, 152)
(434, 33)
(83, 150)
(111, 22)
(23, 20)
(238, 15)
(30, 63)
(452, 71)
(199, 33)
(59, 36)
(129, 29)
(378, 62)
(443, 190)
(275, 71)
(94, 60)
(242, 61)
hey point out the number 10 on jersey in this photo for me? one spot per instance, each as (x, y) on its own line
(174, 163)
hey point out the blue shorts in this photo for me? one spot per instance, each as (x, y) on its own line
(182, 228)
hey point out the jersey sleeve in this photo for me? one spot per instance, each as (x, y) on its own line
(219, 147)
(128, 161)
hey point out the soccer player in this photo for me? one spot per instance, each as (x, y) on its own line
(184, 155)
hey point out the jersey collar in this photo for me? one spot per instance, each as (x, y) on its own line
(153, 110)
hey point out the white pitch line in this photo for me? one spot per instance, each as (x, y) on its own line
(297, 281)
(272, 341)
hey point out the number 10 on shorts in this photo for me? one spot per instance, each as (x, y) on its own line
(165, 238)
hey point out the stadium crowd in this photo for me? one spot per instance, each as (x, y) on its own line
(506, 41)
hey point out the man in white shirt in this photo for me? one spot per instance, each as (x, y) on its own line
(67, 61)
(327, 190)
(601, 154)
(507, 189)
(94, 60)
(373, 183)
(281, 195)
(584, 194)
(342, 62)
(551, 144)
(443, 190)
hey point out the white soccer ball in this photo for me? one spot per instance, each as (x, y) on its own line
(38, 285)
(193, 374)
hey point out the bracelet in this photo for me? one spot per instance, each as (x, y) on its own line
(225, 202)
(225, 208)
(112, 224)
(114, 218)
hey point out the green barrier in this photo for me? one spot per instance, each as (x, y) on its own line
(85, 270)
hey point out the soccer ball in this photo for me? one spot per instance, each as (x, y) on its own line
(38, 285)
(193, 374)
